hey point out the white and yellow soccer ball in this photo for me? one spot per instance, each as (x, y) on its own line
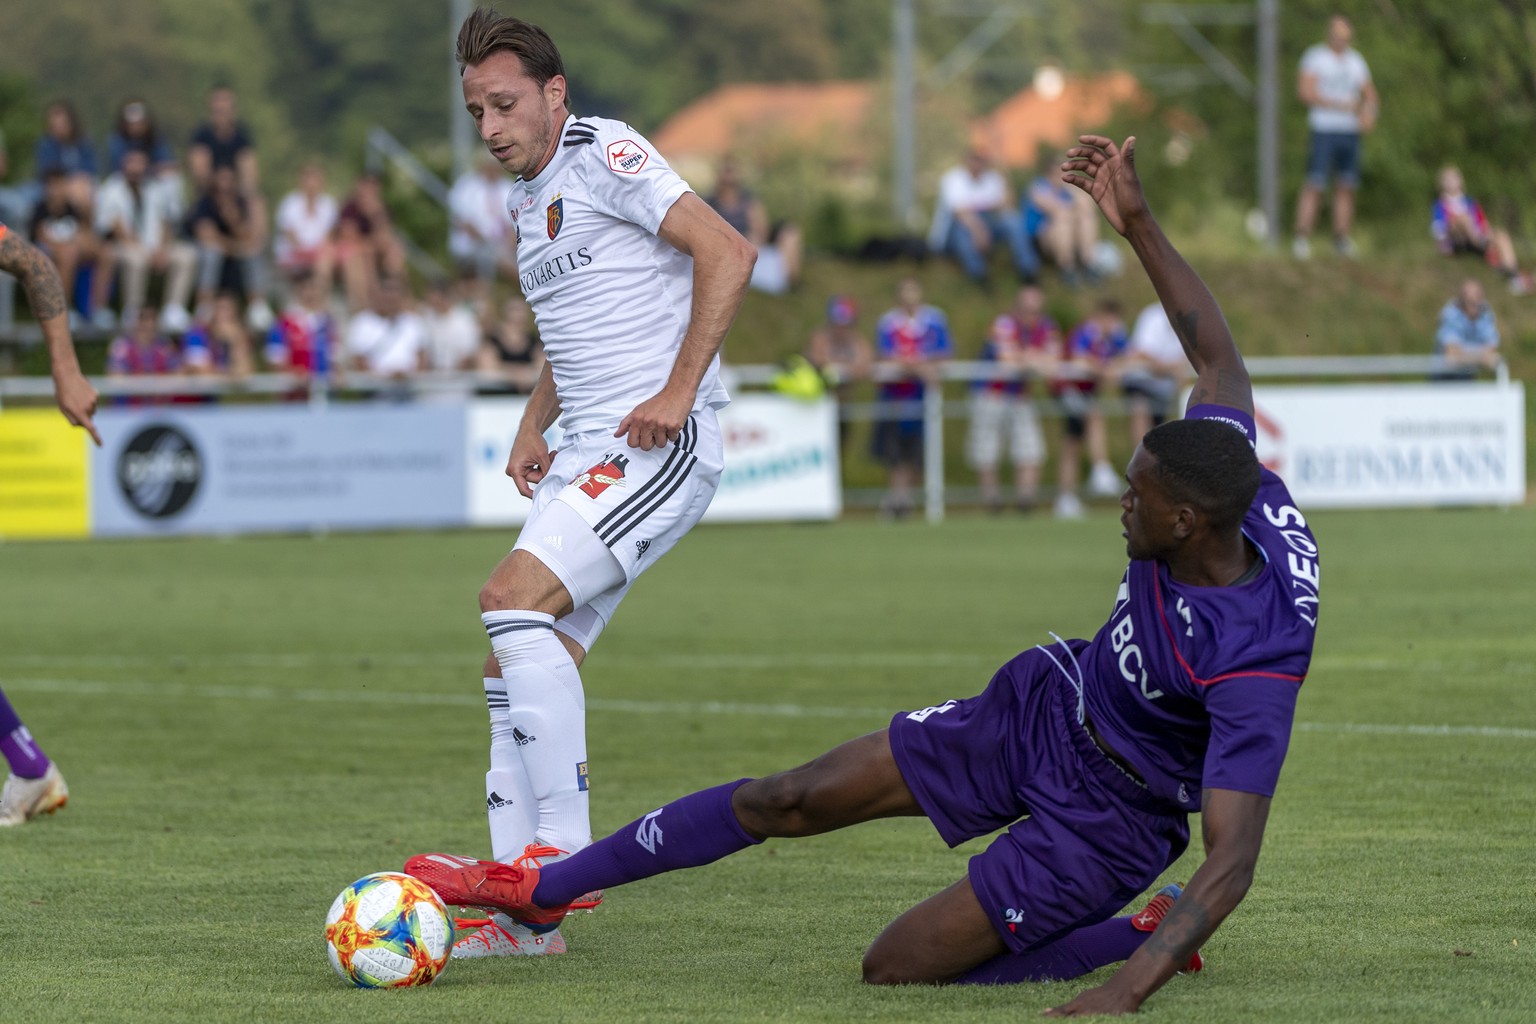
(388, 930)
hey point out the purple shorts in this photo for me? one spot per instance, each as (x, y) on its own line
(1091, 838)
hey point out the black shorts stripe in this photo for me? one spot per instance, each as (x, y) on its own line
(511, 627)
(683, 447)
(578, 140)
(660, 501)
(670, 481)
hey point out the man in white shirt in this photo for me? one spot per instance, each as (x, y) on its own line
(480, 232)
(975, 210)
(634, 282)
(452, 330)
(388, 340)
(1153, 367)
(305, 219)
(135, 215)
(1342, 104)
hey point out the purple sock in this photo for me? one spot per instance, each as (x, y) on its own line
(698, 829)
(1072, 956)
(25, 757)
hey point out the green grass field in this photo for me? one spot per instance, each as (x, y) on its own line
(248, 725)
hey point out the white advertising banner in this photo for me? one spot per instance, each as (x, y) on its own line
(780, 461)
(1374, 446)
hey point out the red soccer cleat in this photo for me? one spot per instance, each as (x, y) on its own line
(1152, 915)
(467, 882)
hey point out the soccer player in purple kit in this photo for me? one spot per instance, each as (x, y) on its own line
(1092, 753)
(34, 785)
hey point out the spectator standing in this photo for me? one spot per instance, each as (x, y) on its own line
(480, 234)
(841, 354)
(65, 148)
(1342, 105)
(911, 341)
(1459, 225)
(230, 238)
(218, 344)
(387, 340)
(223, 141)
(974, 211)
(62, 228)
(779, 248)
(452, 331)
(510, 349)
(366, 244)
(1088, 354)
(303, 341)
(136, 219)
(1023, 342)
(1064, 224)
(1152, 371)
(1468, 337)
(306, 218)
(142, 350)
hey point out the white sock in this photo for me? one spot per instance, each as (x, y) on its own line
(547, 706)
(510, 806)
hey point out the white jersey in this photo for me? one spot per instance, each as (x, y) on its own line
(612, 300)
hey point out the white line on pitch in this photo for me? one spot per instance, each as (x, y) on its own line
(365, 695)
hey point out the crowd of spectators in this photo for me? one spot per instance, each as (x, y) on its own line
(180, 263)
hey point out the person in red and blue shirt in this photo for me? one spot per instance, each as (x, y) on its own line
(1025, 340)
(1090, 753)
(1089, 355)
(910, 341)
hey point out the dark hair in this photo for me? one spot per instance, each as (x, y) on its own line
(151, 131)
(1208, 465)
(69, 111)
(486, 32)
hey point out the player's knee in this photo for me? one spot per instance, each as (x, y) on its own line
(776, 805)
(880, 968)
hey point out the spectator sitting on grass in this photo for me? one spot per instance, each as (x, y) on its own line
(974, 211)
(1468, 337)
(1064, 224)
(510, 349)
(366, 245)
(64, 147)
(778, 247)
(1460, 226)
(137, 221)
(61, 228)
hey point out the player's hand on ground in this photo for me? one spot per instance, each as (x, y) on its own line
(656, 422)
(77, 401)
(1096, 1002)
(1108, 174)
(528, 462)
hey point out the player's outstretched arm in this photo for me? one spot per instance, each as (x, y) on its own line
(1108, 173)
(1233, 827)
(722, 266)
(74, 394)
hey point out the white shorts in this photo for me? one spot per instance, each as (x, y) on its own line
(996, 417)
(606, 512)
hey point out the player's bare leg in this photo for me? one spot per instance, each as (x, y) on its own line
(935, 942)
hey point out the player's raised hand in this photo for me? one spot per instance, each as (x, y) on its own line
(657, 421)
(77, 401)
(528, 462)
(1107, 173)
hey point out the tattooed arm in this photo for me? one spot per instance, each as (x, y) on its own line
(45, 292)
(1232, 824)
(1108, 173)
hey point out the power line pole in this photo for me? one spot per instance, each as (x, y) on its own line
(460, 127)
(1269, 118)
(904, 26)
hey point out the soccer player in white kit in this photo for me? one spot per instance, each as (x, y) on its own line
(634, 282)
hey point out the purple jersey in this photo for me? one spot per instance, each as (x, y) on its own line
(1196, 686)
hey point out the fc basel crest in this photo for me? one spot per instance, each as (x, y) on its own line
(554, 216)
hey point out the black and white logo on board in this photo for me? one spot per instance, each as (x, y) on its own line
(159, 471)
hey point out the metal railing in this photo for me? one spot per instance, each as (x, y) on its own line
(933, 408)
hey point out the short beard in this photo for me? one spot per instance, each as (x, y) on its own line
(540, 147)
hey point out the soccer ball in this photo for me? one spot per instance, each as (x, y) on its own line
(388, 930)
